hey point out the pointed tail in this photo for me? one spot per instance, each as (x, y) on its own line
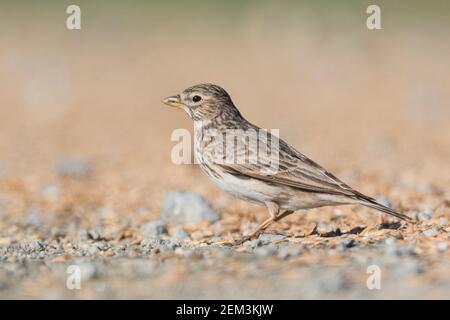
(372, 203)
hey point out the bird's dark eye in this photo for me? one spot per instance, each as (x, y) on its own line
(196, 98)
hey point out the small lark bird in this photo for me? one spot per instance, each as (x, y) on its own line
(297, 183)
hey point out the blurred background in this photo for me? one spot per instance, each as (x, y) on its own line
(82, 126)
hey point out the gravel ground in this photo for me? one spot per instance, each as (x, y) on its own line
(157, 260)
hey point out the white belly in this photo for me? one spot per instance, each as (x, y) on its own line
(261, 193)
(248, 189)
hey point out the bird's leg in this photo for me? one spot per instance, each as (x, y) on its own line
(261, 227)
(275, 215)
(283, 214)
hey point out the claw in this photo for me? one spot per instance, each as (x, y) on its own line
(241, 241)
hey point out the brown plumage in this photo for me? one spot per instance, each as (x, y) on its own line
(283, 180)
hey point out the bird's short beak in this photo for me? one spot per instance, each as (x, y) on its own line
(173, 101)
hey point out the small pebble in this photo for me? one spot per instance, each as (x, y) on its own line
(184, 252)
(390, 241)
(253, 243)
(180, 207)
(265, 250)
(408, 267)
(425, 215)
(180, 234)
(269, 237)
(167, 246)
(102, 245)
(405, 251)
(442, 246)
(153, 229)
(35, 218)
(94, 235)
(92, 249)
(288, 252)
(37, 245)
(390, 245)
(151, 242)
(430, 232)
(88, 270)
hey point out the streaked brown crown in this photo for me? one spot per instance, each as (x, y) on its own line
(215, 102)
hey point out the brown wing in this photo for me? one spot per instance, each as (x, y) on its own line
(284, 165)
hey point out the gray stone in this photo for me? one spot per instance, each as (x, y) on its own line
(88, 270)
(253, 243)
(181, 207)
(153, 229)
(425, 215)
(288, 252)
(36, 245)
(430, 232)
(405, 250)
(102, 245)
(167, 246)
(74, 167)
(92, 249)
(442, 246)
(151, 243)
(180, 234)
(265, 250)
(408, 267)
(268, 237)
(217, 227)
(35, 218)
(94, 235)
(184, 251)
(389, 245)
(57, 232)
(390, 242)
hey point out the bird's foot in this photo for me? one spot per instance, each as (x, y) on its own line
(242, 240)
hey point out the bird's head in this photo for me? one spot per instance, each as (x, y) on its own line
(203, 102)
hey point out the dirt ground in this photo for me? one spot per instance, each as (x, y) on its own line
(85, 156)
